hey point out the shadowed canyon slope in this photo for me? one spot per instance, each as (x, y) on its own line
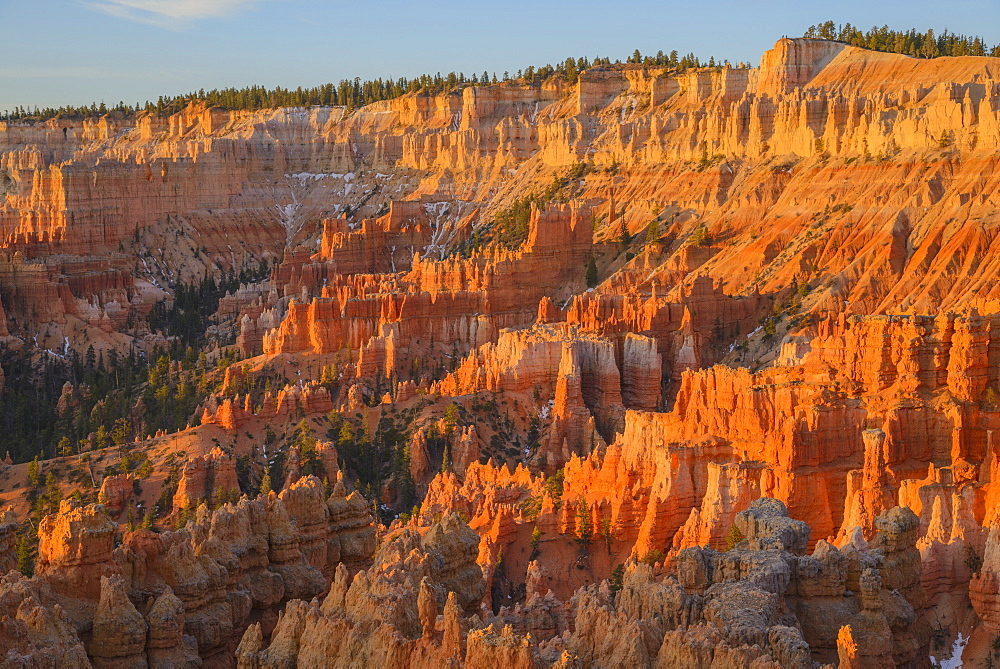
(709, 357)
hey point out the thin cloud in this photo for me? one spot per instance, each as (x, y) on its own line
(169, 13)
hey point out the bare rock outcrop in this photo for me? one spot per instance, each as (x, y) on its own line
(984, 589)
(75, 549)
(799, 364)
(167, 644)
(118, 637)
(206, 477)
(8, 540)
(178, 598)
(387, 614)
(115, 493)
(34, 630)
(764, 603)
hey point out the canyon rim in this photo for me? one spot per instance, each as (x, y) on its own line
(648, 364)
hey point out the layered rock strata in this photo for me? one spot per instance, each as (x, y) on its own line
(177, 598)
(796, 222)
(764, 602)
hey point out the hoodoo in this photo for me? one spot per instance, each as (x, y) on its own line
(654, 364)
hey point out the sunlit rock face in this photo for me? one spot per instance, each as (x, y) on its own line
(727, 396)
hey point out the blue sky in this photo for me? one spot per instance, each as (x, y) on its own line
(55, 52)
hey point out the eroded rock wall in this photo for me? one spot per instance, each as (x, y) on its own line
(185, 596)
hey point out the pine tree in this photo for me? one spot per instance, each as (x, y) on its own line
(303, 435)
(25, 561)
(450, 418)
(120, 431)
(265, 484)
(617, 580)
(700, 236)
(34, 471)
(446, 459)
(624, 237)
(591, 276)
(607, 532)
(584, 522)
(52, 493)
(653, 232)
(101, 437)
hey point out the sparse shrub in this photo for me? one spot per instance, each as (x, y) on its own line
(990, 399)
(700, 236)
(145, 469)
(531, 508)
(265, 484)
(617, 580)
(939, 635)
(584, 522)
(652, 556)
(770, 327)
(554, 487)
(973, 560)
(733, 538)
(607, 533)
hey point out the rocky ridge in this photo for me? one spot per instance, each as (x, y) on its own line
(181, 598)
(764, 602)
(793, 315)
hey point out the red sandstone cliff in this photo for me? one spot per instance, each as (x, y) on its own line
(816, 237)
